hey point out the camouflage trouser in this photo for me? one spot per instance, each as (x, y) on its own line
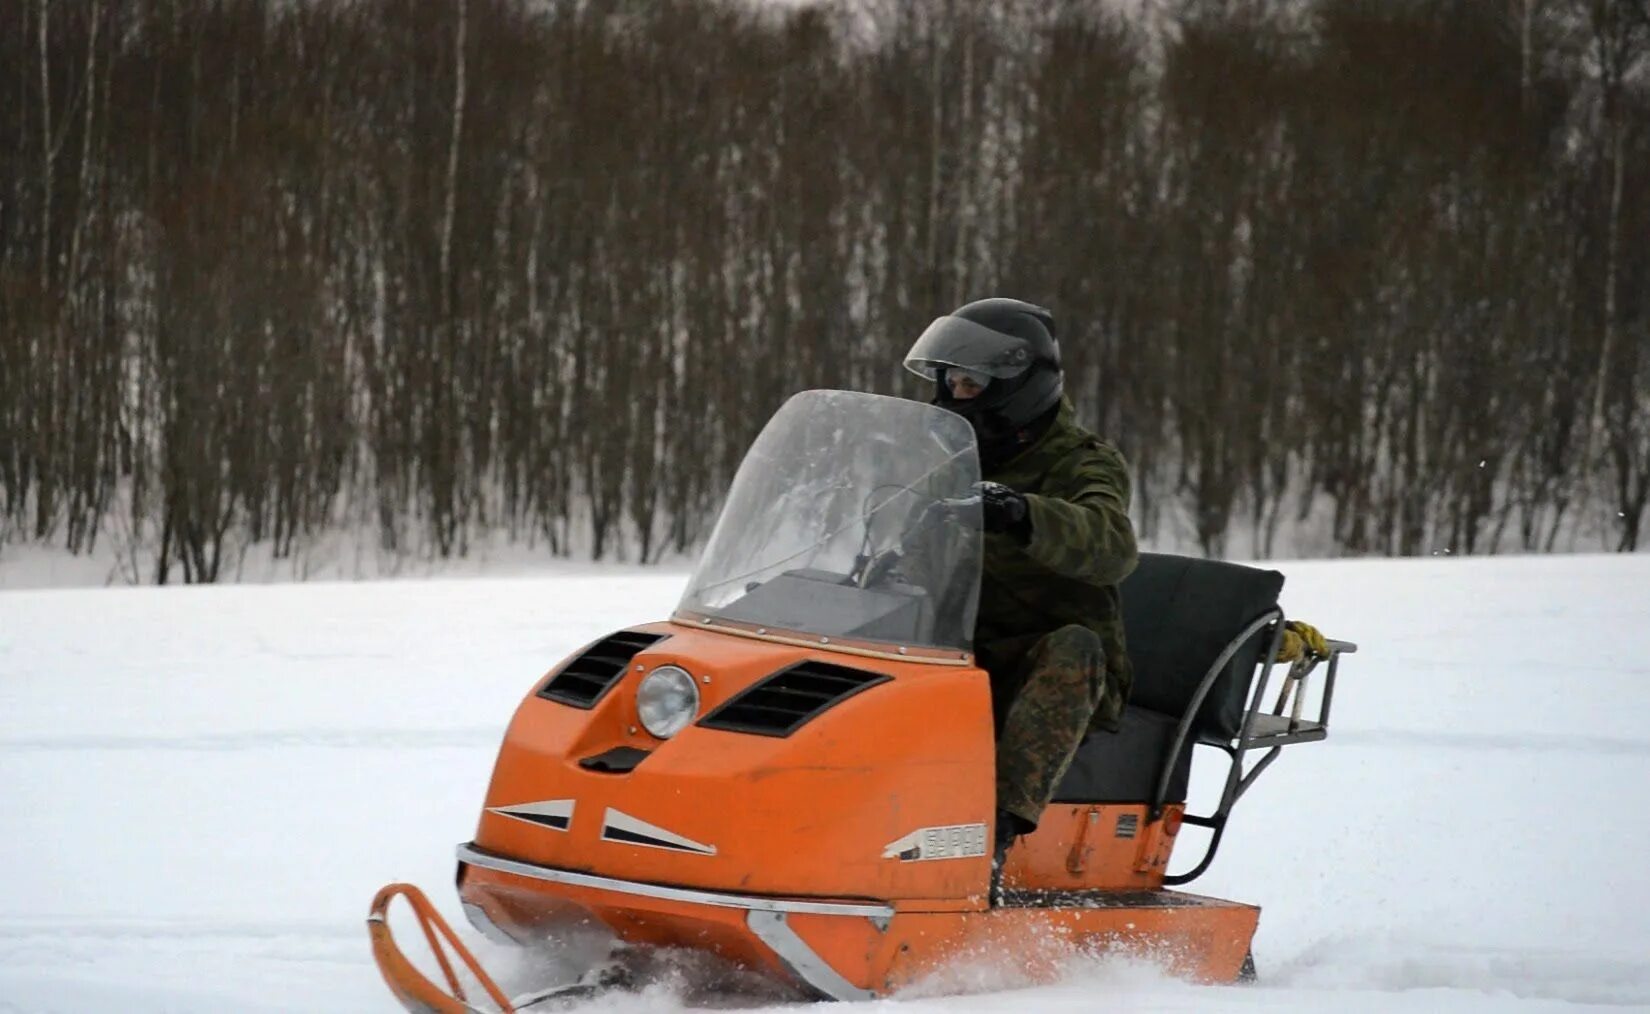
(1059, 685)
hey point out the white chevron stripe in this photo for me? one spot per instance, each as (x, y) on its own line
(617, 821)
(562, 808)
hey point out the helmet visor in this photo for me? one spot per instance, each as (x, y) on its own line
(956, 343)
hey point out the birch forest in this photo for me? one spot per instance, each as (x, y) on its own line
(1339, 277)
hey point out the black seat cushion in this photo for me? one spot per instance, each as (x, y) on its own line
(1123, 766)
(1178, 615)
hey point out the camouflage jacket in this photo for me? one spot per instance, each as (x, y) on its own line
(1082, 544)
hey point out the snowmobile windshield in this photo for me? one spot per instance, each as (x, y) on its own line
(853, 522)
(956, 342)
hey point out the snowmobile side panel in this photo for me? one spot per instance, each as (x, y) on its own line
(1204, 940)
(1095, 846)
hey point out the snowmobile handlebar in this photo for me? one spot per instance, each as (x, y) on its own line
(942, 509)
(868, 570)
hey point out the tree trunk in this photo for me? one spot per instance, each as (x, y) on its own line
(1612, 256)
(452, 160)
(47, 155)
(84, 192)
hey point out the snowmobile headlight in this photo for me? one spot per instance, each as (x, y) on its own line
(667, 701)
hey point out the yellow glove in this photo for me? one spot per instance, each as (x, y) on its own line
(1299, 639)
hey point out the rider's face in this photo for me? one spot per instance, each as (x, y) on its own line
(963, 387)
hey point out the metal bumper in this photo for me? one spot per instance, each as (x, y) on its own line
(766, 917)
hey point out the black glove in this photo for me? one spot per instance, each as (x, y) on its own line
(1004, 510)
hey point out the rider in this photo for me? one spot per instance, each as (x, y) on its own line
(1055, 505)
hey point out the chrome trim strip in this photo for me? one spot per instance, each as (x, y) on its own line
(476, 857)
(772, 929)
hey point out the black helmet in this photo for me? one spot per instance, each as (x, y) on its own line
(1009, 347)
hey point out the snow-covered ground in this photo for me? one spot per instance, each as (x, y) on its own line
(200, 789)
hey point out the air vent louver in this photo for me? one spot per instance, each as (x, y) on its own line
(584, 680)
(782, 703)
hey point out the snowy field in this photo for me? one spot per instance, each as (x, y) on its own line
(200, 789)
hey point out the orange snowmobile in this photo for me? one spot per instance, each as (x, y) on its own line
(795, 771)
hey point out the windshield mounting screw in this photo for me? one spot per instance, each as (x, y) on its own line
(902, 649)
(761, 630)
(824, 640)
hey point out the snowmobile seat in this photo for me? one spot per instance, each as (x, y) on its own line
(1123, 766)
(1180, 615)
(1202, 635)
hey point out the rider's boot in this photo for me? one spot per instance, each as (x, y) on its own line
(1010, 827)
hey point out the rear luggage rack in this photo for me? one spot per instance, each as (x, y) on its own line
(787, 700)
(1260, 730)
(594, 671)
